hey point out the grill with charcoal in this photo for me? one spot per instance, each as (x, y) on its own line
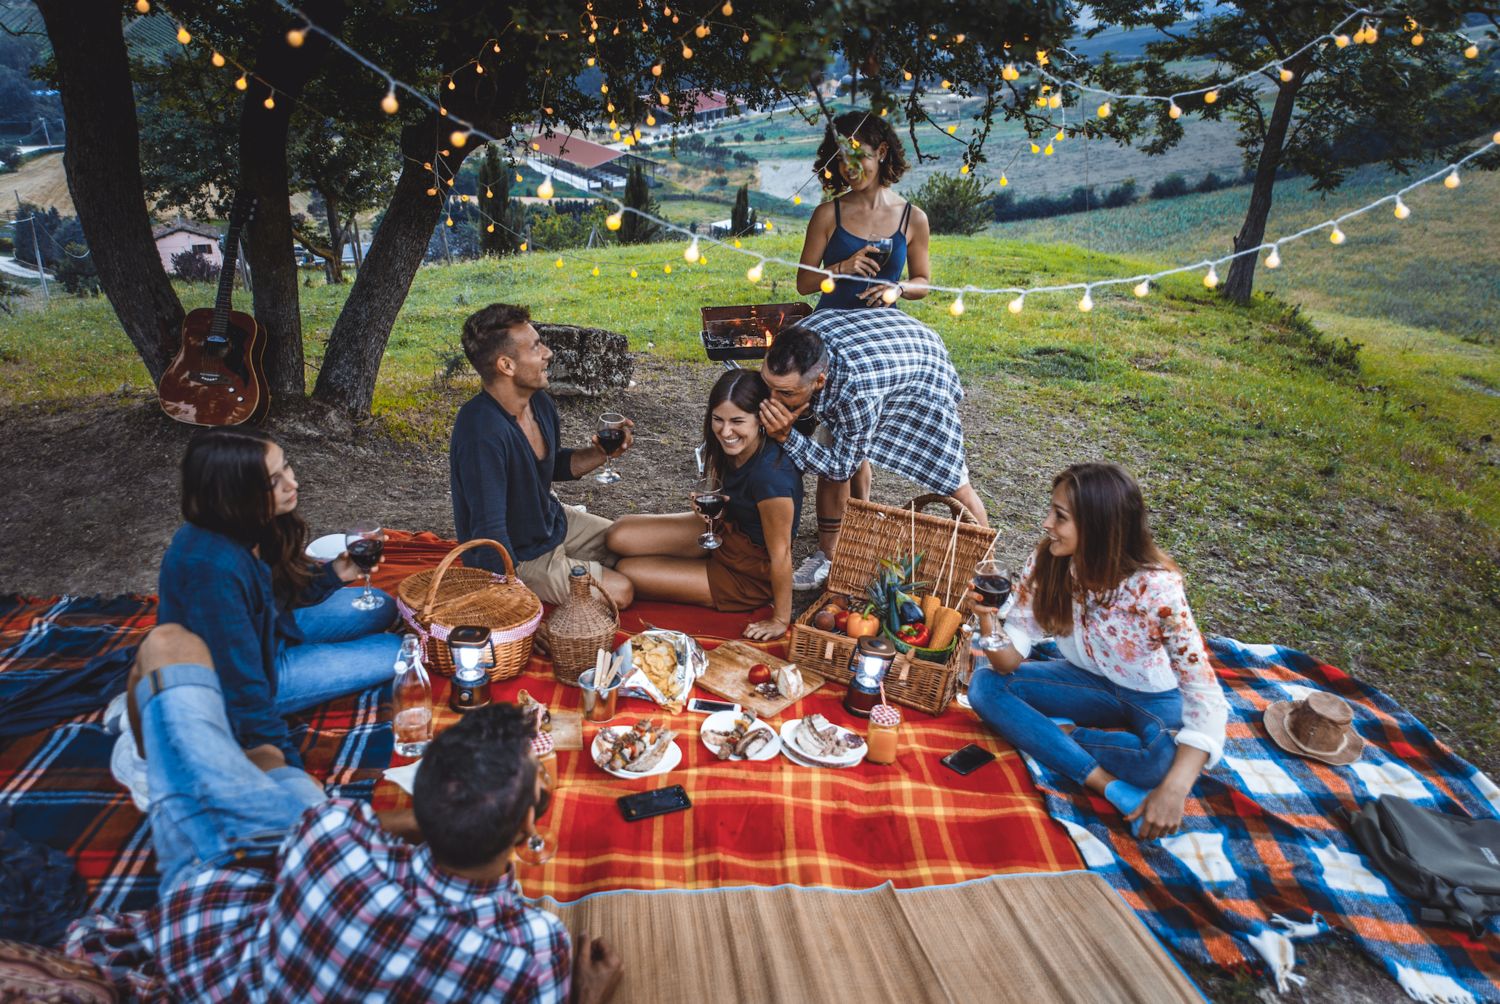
(746, 331)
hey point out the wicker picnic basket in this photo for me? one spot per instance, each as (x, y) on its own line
(436, 601)
(579, 627)
(950, 547)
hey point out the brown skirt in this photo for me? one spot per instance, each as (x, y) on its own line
(739, 573)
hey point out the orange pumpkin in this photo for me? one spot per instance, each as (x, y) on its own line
(862, 625)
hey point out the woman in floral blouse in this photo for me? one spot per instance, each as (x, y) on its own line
(1133, 709)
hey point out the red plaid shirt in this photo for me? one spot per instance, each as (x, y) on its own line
(349, 912)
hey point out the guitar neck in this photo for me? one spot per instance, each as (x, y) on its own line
(224, 300)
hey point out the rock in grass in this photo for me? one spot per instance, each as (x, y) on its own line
(586, 362)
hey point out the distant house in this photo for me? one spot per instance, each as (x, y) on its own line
(582, 163)
(184, 235)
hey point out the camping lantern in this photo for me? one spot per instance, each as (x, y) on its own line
(473, 657)
(870, 662)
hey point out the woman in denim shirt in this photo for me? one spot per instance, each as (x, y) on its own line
(283, 635)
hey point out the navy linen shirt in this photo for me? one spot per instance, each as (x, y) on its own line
(218, 589)
(770, 474)
(501, 491)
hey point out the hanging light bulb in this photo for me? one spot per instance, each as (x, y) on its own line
(389, 104)
(754, 272)
(1173, 111)
(1055, 101)
(1418, 39)
(432, 191)
(1286, 75)
(1142, 288)
(964, 169)
(451, 84)
(1104, 110)
(449, 221)
(890, 295)
(737, 242)
(595, 271)
(1402, 210)
(459, 137)
(488, 194)
(183, 36)
(490, 229)
(952, 129)
(558, 263)
(1047, 150)
(1472, 51)
(796, 200)
(1003, 180)
(1009, 73)
(1342, 41)
(1015, 305)
(241, 82)
(1211, 279)
(667, 269)
(728, 9)
(1086, 302)
(1035, 148)
(956, 308)
(1212, 97)
(519, 179)
(634, 274)
(1452, 180)
(217, 59)
(270, 102)
(296, 37)
(691, 254)
(1335, 236)
(524, 245)
(826, 285)
(701, 31)
(687, 52)
(143, 6)
(615, 219)
(1273, 260)
(544, 190)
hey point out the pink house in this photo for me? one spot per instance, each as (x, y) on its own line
(184, 235)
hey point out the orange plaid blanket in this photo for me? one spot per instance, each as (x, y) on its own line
(914, 823)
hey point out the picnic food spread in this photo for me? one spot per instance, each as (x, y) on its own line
(635, 750)
(746, 737)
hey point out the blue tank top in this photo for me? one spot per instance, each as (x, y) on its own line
(843, 244)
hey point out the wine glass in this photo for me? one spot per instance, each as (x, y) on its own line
(709, 500)
(540, 845)
(611, 433)
(992, 582)
(365, 542)
(883, 247)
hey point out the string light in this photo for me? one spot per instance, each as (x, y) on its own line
(595, 271)
(1142, 288)
(1003, 180)
(1452, 180)
(754, 272)
(270, 102)
(1335, 236)
(956, 308)
(1273, 260)
(242, 82)
(826, 285)
(1015, 305)
(1417, 39)
(143, 6)
(389, 104)
(1086, 302)
(1286, 75)
(1211, 97)
(558, 263)
(1211, 278)
(1104, 110)
(1472, 51)
(183, 36)
(544, 190)
(217, 58)
(614, 220)
(296, 37)
(890, 294)
(1402, 211)
(458, 138)
(1341, 40)
(692, 253)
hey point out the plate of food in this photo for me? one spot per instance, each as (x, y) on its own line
(326, 547)
(739, 735)
(661, 666)
(645, 749)
(817, 741)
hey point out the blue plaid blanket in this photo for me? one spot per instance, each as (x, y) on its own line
(1264, 856)
(58, 783)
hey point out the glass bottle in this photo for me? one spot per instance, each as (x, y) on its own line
(411, 700)
(885, 723)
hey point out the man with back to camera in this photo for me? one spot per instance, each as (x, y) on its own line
(504, 455)
(884, 389)
(268, 894)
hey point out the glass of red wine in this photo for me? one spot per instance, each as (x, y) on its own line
(992, 582)
(540, 845)
(365, 542)
(883, 247)
(710, 501)
(611, 435)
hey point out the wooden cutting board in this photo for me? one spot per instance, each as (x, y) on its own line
(567, 730)
(728, 676)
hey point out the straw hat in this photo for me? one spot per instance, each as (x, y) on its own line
(1318, 727)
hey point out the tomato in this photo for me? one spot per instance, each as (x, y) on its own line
(760, 673)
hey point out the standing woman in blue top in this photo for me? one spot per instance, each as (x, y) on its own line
(858, 161)
(660, 554)
(283, 635)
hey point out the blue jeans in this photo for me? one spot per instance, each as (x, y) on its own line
(1020, 707)
(209, 803)
(344, 651)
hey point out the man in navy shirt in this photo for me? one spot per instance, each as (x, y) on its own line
(504, 456)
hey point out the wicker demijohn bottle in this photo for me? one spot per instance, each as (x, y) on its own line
(580, 626)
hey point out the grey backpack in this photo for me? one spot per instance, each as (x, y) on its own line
(1449, 864)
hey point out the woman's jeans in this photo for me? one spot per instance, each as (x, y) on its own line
(343, 651)
(1020, 707)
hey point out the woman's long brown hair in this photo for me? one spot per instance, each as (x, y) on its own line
(225, 489)
(1114, 542)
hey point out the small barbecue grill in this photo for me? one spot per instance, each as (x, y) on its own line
(746, 331)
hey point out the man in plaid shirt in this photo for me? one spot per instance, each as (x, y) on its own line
(883, 388)
(270, 895)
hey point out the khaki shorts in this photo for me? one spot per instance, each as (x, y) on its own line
(547, 576)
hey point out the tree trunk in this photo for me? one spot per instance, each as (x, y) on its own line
(357, 343)
(102, 161)
(1241, 280)
(264, 171)
(336, 241)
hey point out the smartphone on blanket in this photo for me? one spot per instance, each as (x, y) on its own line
(967, 760)
(645, 804)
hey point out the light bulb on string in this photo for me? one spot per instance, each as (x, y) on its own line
(1086, 302)
(296, 37)
(1418, 39)
(1015, 305)
(558, 263)
(270, 102)
(432, 191)
(634, 274)
(490, 229)
(650, 119)
(754, 272)
(519, 179)
(183, 36)
(1273, 260)
(488, 194)
(1212, 97)
(1286, 75)
(1452, 181)
(826, 285)
(890, 295)
(701, 31)
(594, 271)
(1047, 150)
(1104, 110)
(389, 104)
(143, 6)
(545, 190)
(1335, 236)
(1055, 101)
(956, 308)
(1211, 277)
(459, 137)
(796, 200)
(1342, 41)
(451, 84)
(449, 221)
(1173, 111)
(691, 254)
(1003, 180)
(1142, 288)
(687, 52)
(614, 220)
(1009, 73)
(667, 269)
(1402, 211)
(217, 58)
(524, 245)
(1472, 51)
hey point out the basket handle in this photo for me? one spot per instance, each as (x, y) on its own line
(442, 568)
(613, 608)
(956, 509)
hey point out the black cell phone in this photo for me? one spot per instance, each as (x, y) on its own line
(967, 760)
(645, 804)
(706, 707)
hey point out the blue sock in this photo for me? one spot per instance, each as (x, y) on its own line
(1127, 798)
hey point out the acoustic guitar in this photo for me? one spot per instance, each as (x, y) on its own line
(218, 376)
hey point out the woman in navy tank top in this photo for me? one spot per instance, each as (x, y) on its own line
(866, 234)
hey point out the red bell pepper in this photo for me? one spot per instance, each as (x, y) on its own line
(916, 635)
